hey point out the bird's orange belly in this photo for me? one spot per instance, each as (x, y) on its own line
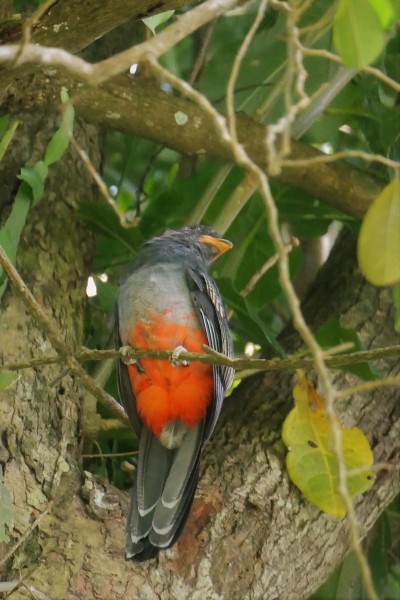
(164, 392)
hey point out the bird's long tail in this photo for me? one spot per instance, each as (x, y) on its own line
(163, 493)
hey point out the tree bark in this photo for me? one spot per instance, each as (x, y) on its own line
(74, 25)
(40, 415)
(138, 106)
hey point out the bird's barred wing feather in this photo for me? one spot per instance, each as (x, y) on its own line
(211, 311)
(124, 383)
(176, 499)
(226, 340)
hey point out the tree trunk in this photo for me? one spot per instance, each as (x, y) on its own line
(250, 533)
(40, 415)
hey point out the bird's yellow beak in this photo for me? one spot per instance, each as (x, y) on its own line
(219, 245)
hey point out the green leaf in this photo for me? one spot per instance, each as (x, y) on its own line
(106, 295)
(102, 219)
(17, 217)
(358, 34)
(343, 583)
(7, 137)
(29, 193)
(7, 243)
(396, 8)
(69, 109)
(42, 169)
(153, 22)
(331, 334)
(379, 240)
(385, 11)
(11, 232)
(59, 142)
(255, 329)
(7, 378)
(6, 518)
(33, 176)
(311, 463)
(378, 554)
(56, 146)
(396, 299)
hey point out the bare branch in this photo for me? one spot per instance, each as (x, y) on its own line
(95, 74)
(211, 357)
(70, 23)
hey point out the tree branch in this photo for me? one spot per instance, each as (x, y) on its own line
(105, 69)
(211, 357)
(70, 24)
(141, 108)
(138, 106)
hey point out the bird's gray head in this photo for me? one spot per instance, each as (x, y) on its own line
(201, 239)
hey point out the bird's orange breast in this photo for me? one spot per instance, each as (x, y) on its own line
(164, 392)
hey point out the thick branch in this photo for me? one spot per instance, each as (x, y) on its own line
(138, 106)
(28, 53)
(141, 108)
(74, 25)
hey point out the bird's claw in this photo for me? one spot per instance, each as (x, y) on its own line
(124, 355)
(175, 361)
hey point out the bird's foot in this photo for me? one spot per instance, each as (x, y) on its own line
(175, 360)
(124, 355)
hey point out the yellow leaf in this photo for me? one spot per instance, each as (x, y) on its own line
(311, 463)
(379, 240)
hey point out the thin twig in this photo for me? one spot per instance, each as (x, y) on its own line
(265, 268)
(200, 61)
(142, 180)
(10, 587)
(95, 175)
(29, 23)
(326, 158)
(295, 76)
(95, 74)
(395, 85)
(127, 353)
(33, 19)
(24, 536)
(111, 454)
(368, 386)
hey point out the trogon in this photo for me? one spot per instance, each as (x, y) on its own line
(168, 301)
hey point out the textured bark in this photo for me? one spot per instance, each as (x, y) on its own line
(74, 25)
(138, 106)
(40, 425)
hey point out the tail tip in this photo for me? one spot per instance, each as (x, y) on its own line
(140, 551)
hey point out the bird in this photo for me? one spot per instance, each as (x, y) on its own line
(168, 301)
